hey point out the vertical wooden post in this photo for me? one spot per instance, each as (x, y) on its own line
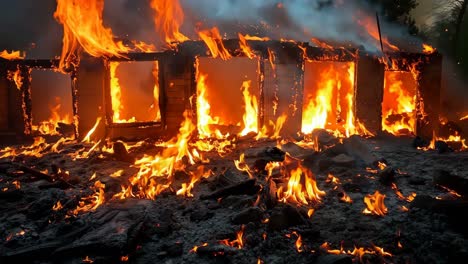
(370, 77)
(428, 96)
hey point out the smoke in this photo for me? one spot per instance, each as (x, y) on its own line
(29, 24)
(336, 22)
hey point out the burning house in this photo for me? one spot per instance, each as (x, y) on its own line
(247, 148)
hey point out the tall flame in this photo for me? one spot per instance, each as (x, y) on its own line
(251, 110)
(83, 27)
(168, 19)
(399, 105)
(331, 106)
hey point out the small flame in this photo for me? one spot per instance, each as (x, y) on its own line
(57, 206)
(241, 165)
(375, 204)
(428, 49)
(87, 138)
(244, 46)
(16, 77)
(302, 186)
(238, 242)
(13, 55)
(214, 41)
(92, 202)
(50, 127)
(194, 177)
(298, 242)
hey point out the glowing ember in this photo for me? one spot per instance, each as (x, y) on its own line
(214, 41)
(238, 242)
(464, 118)
(57, 206)
(168, 19)
(15, 76)
(375, 204)
(356, 252)
(399, 105)
(345, 198)
(195, 248)
(310, 212)
(13, 55)
(302, 186)
(251, 110)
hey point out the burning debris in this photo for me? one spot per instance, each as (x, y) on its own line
(237, 150)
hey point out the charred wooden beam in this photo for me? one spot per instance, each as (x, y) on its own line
(369, 90)
(90, 93)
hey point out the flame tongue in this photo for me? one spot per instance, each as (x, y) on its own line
(214, 41)
(251, 110)
(168, 19)
(302, 186)
(83, 26)
(375, 204)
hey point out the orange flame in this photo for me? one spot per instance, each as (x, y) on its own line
(375, 204)
(168, 19)
(214, 41)
(397, 101)
(238, 242)
(57, 206)
(164, 164)
(204, 118)
(13, 55)
(371, 27)
(245, 47)
(15, 76)
(330, 106)
(251, 110)
(83, 27)
(186, 189)
(428, 49)
(241, 165)
(50, 127)
(302, 186)
(92, 202)
(87, 138)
